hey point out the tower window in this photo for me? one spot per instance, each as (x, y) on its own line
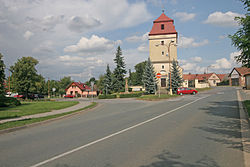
(162, 67)
(162, 42)
(162, 26)
(162, 53)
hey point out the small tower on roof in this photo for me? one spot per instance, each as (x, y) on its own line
(162, 46)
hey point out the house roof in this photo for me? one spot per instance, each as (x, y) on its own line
(243, 70)
(80, 85)
(202, 76)
(168, 23)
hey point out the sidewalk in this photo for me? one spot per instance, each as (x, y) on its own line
(81, 104)
(245, 94)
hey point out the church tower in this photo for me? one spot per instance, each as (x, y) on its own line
(163, 47)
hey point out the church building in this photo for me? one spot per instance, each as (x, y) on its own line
(163, 47)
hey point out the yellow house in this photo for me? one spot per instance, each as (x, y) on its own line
(162, 46)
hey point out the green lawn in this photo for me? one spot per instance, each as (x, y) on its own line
(202, 89)
(30, 108)
(247, 105)
(156, 97)
(20, 123)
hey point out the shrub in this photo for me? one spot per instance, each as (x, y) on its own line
(9, 101)
(130, 95)
(107, 96)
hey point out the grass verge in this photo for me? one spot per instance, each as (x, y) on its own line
(247, 105)
(30, 108)
(202, 89)
(156, 97)
(21, 123)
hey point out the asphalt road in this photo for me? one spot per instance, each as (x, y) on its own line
(193, 131)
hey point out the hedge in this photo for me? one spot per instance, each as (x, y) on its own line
(130, 95)
(9, 101)
(107, 96)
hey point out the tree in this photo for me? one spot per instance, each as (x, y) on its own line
(241, 39)
(119, 71)
(149, 78)
(63, 83)
(176, 79)
(139, 70)
(2, 76)
(100, 83)
(24, 74)
(107, 81)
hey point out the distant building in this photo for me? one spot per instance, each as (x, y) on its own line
(202, 80)
(240, 77)
(162, 46)
(79, 89)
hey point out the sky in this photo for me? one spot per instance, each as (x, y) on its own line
(78, 38)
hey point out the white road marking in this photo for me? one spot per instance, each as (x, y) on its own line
(112, 135)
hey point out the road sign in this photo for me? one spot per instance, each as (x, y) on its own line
(158, 75)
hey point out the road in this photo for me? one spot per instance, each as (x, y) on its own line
(200, 131)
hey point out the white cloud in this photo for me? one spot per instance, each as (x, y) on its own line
(79, 24)
(196, 59)
(94, 44)
(222, 36)
(222, 63)
(187, 42)
(143, 48)
(27, 35)
(183, 16)
(45, 47)
(223, 19)
(136, 38)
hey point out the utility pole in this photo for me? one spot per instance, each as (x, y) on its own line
(48, 89)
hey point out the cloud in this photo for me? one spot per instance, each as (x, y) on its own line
(143, 48)
(222, 63)
(184, 17)
(79, 24)
(136, 38)
(27, 35)
(196, 59)
(45, 47)
(223, 19)
(94, 44)
(187, 42)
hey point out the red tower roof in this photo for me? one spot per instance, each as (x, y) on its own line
(163, 25)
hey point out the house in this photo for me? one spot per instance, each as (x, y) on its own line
(79, 89)
(240, 77)
(202, 80)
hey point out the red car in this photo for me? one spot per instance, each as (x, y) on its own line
(19, 96)
(181, 91)
(69, 96)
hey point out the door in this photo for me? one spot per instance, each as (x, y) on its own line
(163, 82)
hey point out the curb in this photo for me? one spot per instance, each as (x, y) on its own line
(9, 130)
(245, 130)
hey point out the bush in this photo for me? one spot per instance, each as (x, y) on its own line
(130, 95)
(107, 96)
(9, 101)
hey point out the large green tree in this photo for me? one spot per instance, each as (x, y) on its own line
(63, 83)
(139, 70)
(107, 81)
(241, 39)
(149, 78)
(24, 74)
(2, 76)
(119, 71)
(176, 79)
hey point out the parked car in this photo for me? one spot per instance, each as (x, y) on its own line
(38, 96)
(19, 96)
(69, 96)
(181, 91)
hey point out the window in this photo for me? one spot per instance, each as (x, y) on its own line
(162, 67)
(162, 53)
(162, 26)
(162, 42)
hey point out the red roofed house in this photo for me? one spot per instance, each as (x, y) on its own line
(162, 47)
(79, 89)
(202, 80)
(240, 77)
